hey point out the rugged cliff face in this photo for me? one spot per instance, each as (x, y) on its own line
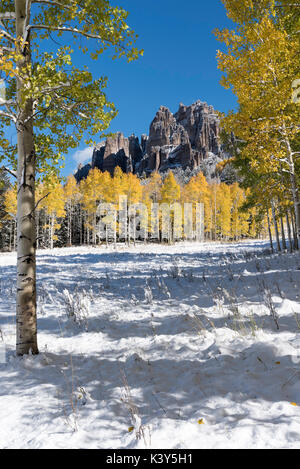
(184, 139)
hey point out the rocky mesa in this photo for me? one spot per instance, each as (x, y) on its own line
(184, 139)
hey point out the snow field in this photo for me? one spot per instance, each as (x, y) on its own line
(156, 346)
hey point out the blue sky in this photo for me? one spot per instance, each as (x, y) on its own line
(179, 64)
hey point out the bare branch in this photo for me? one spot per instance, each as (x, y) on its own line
(7, 49)
(7, 36)
(7, 103)
(52, 2)
(9, 15)
(56, 88)
(65, 29)
(8, 115)
(12, 173)
(37, 204)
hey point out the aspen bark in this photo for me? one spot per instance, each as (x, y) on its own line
(26, 234)
(294, 229)
(52, 231)
(289, 232)
(294, 185)
(282, 234)
(270, 232)
(276, 227)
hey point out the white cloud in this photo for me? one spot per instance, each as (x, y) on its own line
(81, 156)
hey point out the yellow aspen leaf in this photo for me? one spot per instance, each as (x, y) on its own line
(130, 429)
(201, 421)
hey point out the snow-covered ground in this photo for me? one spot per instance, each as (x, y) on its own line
(180, 342)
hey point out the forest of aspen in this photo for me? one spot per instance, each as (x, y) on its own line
(67, 212)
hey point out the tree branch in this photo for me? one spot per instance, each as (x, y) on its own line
(8, 115)
(8, 36)
(53, 3)
(9, 15)
(12, 173)
(65, 29)
(37, 204)
(7, 103)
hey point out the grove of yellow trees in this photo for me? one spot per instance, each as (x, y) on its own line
(67, 213)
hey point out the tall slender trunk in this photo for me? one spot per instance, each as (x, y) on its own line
(69, 219)
(10, 234)
(115, 229)
(276, 227)
(289, 232)
(26, 234)
(15, 234)
(52, 231)
(37, 222)
(294, 183)
(282, 234)
(270, 232)
(294, 230)
(94, 229)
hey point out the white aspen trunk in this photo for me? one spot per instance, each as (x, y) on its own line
(80, 226)
(294, 185)
(134, 228)
(294, 229)
(52, 231)
(115, 229)
(37, 222)
(49, 231)
(10, 234)
(15, 234)
(289, 232)
(94, 229)
(282, 234)
(69, 228)
(84, 227)
(270, 232)
(129, 230)
(276, 227)
(26, 234)
(71, 224)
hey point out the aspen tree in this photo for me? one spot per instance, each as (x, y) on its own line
(10, 207)
(71, 197)
(223, 215)
(170, 195)
(133, 191)
(260, 66)
(51, 103)
(54, 206)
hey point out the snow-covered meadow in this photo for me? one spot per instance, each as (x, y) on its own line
(185, 346)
